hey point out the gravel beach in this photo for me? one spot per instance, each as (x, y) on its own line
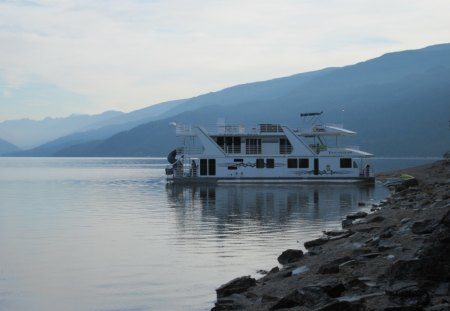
(397, 257)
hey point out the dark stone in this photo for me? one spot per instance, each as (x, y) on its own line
(410, 295)
(347, 223)
(405, 269)
(342, 306)
(315, 295)
(424, 226)
(291, 300)
(357, 215)
(333, 266)
(274, 270)
(384, 245)
(237, 285)
(290, 255)
(386, 235)
(377, 219)
(371, 255)
(328, 268)
(439, 307)
(334, 233)
(335, 290)
(233, 302)
(404, 308)
(446, 219)
(316, 242)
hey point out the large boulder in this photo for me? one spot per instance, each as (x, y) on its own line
(290, 255)
(235, 286)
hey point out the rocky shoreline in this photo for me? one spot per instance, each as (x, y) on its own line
(395, 258)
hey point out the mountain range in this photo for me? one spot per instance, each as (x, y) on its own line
(399, 103)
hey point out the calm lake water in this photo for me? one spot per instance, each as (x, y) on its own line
(109, 234)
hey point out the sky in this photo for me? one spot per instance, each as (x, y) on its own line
(59, 57)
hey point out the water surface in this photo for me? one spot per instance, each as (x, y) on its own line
(109, 234)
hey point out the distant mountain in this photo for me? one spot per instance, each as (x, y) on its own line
(102, 129)
(27, 133)
(398, 103)
(6, 147)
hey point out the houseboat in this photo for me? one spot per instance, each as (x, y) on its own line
(267, 153)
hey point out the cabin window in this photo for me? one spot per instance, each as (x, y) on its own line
(253, 146)
(238, 160)
(229, 144)
(232, 167)
(207, 167)
(260, 163)
(285, 146)
(270, 163)
(203, 167)
(292, 163)
(212, 167)
(346, 163)
(303, 163)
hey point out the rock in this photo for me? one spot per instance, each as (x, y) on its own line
(263, 272)
(342, 306)
(328, 268)
(233, 302)
(405, 269)
(334, 290)
(357, 215)
(384, 245)
(404, 308)
(371, 255)
(424, 226)
(300, 270)
(439, 307)
(376, 219)
(274, 270)
(291, 300)
(315, 295)
(410, 295)
(347, 223)
(316, 242)
(290, 255)
(237, 285)
(446, 219)
(342, 236)
(333, 266)
(334, 233)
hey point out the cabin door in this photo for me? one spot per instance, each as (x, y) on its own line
(316, 166)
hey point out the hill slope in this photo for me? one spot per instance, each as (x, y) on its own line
(399, 103)
(7, 147)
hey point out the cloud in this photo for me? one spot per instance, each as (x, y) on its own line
(128, 54)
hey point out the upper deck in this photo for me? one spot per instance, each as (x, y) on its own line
(265, 130)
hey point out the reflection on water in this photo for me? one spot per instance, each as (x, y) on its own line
(280, 205)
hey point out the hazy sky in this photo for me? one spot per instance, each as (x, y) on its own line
(59, 57)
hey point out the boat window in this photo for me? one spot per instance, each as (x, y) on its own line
(285, 146)
(292, 163)
(212, 167)
(260, 163)
(346, 163)
(270, 163)
(232, 167)
(238, 160)
(203, 167)
(230, 144)
(253, 146)
(303, 163)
